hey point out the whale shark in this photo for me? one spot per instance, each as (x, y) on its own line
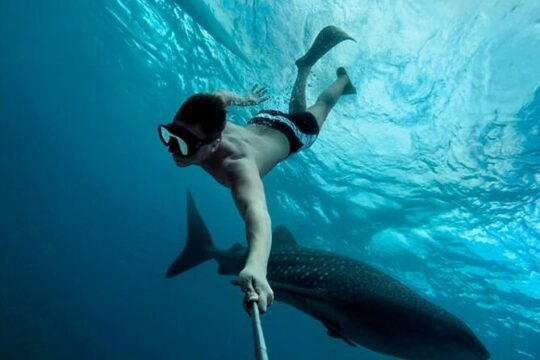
(354, 301)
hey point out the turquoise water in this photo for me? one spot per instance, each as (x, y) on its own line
(430, 173)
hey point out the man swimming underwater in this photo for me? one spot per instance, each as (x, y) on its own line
(238, 157)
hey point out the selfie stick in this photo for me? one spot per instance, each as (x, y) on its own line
(258, 336)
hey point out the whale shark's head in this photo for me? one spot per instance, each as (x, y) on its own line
(460, 344)
(447, 339)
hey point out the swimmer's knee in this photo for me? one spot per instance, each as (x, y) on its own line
(320, 112)
(326, 100)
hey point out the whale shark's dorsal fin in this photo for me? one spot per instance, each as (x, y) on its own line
(283, 238)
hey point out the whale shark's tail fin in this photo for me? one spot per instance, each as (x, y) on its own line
(199, 244)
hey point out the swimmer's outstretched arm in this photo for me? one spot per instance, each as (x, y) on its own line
(248, 193)
(256, 96)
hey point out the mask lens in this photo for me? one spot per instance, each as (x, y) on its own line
(181, 143)
(183, 146)
(178, 146)
(164, 135)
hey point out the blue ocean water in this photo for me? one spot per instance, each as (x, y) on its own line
(430, 173)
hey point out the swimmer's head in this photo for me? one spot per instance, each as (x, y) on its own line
(207, 112)
(196, 129)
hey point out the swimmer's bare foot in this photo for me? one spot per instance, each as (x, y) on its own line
(328, 37)
(349, 88)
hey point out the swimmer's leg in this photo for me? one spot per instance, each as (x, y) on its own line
(327, 38)
(297, 102)
(329, 97)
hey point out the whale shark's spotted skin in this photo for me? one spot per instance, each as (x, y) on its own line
(343, 278)
(353, 300)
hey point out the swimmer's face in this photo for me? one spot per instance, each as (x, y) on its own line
(202, 152)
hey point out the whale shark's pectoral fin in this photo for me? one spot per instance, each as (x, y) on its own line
(315, 293)
(333, 331)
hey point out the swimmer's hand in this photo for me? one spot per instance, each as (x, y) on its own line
(256, 288)
(256, 96)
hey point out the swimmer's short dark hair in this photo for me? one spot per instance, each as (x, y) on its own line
(206, 110)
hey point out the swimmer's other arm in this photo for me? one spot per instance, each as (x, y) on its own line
(256, 96)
